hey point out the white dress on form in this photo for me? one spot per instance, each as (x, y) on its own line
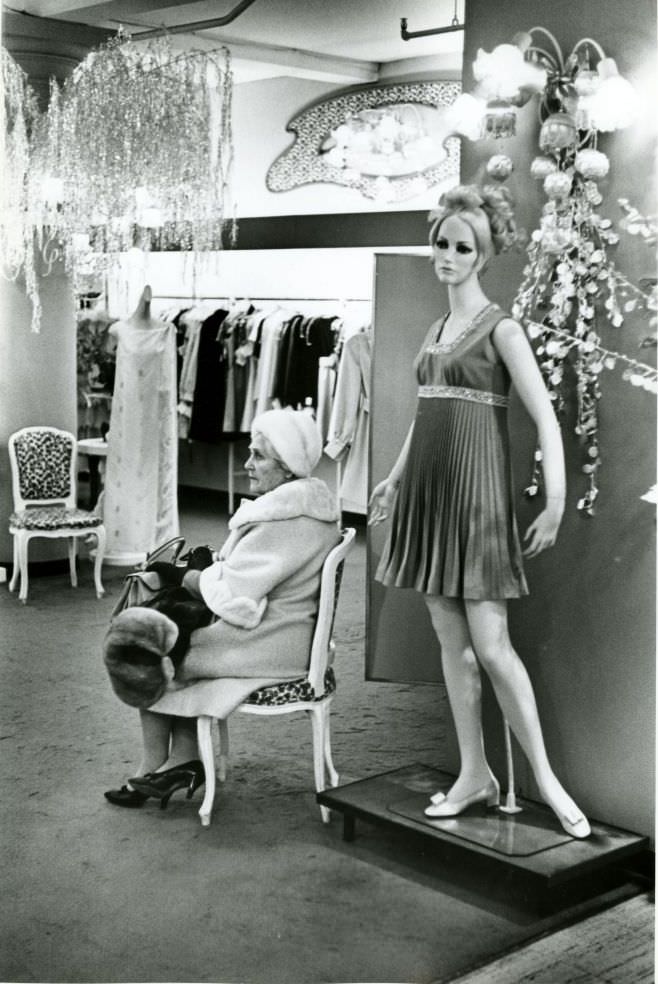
(140, 504)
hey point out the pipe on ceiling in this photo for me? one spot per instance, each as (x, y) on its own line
(409, 35)
(203, 25)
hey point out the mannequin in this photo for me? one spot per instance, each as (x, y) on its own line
(140, 505)
(453, 532)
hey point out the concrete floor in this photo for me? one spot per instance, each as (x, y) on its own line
(267, 893)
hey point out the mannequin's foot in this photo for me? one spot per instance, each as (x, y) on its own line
(572, 819)
(466, 784)
(450, 806)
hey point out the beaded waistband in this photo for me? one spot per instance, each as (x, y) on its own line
(464, 393)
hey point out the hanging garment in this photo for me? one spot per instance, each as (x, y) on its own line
(140, 502)
(327, 368)
(306, 341)
(247, 354)
(187, 379)
(232, 337)
(453, 529)
(271, 333)
(349, 427)
(210, 388)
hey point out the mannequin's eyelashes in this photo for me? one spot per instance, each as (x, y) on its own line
(442, 243)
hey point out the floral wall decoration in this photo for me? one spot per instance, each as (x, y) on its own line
(134, 151)
(570, 281)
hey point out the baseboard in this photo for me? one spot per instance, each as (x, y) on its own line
(39, 568)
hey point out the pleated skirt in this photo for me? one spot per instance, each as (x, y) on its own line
(453, 529)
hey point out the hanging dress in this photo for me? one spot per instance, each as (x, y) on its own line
(453, 529)
(140, 502)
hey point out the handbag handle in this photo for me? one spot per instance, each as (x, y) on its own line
(176, 544)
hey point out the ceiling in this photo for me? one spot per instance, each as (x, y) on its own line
(343, 41)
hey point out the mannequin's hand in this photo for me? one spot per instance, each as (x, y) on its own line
(542, 532)
(381, 501)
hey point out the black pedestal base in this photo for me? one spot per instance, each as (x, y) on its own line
(529, 846)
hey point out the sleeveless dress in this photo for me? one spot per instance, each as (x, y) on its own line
(453, 529)
(140, 501)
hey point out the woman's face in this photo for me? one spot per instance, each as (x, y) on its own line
(454, 251)
(264, 469)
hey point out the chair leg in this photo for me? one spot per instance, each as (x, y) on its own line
(73, 548)
(204, 738)
(22, 563)
(223, 748)
(16, 567)
(318, 724)
(329, 762)
(98, 560)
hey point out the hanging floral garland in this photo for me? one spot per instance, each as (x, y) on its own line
(134, 151)
(568, 282)
(20, 112)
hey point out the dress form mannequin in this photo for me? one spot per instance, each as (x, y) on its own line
(141, 316)
(140, 505)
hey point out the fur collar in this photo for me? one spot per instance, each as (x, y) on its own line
(301, 497)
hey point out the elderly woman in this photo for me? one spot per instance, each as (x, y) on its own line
(264, 591)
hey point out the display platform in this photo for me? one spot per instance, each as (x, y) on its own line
(530, 844)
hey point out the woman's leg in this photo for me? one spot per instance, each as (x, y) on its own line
(487, 623)
(184, 747)
(462, 679)
(156, 738)
(168, 741)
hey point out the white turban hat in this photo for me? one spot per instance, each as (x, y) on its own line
(294, 437)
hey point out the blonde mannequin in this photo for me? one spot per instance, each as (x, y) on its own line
(453, 534)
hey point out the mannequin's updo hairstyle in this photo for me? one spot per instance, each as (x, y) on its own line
(487, 211)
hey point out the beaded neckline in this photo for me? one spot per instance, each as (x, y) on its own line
(472, 324)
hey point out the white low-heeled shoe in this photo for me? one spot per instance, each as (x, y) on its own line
(489, 794)
(578, 828)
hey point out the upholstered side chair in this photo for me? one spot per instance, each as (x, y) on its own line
(311, 694)
(43, 469)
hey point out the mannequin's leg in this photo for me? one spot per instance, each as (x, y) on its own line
(462, 679)
(487, 622)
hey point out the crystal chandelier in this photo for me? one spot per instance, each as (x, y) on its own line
(134, 151)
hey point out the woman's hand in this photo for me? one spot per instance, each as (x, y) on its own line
(381, 501)
(542, 532)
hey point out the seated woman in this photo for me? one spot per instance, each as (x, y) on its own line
(264, 590)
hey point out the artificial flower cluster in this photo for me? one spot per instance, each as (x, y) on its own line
(568, 283)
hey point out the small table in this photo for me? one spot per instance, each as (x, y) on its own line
(94, 448)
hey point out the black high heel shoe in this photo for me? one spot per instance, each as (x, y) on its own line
(162, 785)
(125, 796)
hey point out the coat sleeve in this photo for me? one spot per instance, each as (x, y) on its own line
(342, 424)
(237, 589)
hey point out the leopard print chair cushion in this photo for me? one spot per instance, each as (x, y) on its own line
(291, 691)
(53, 518)
(44, 465)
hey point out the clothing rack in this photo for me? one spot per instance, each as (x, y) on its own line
(226, 297)
(199, 298)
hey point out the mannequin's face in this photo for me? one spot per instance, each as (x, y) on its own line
(455, 251)
(264, 469)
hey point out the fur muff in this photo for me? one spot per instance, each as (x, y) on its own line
(133, 648)
(139, 637)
